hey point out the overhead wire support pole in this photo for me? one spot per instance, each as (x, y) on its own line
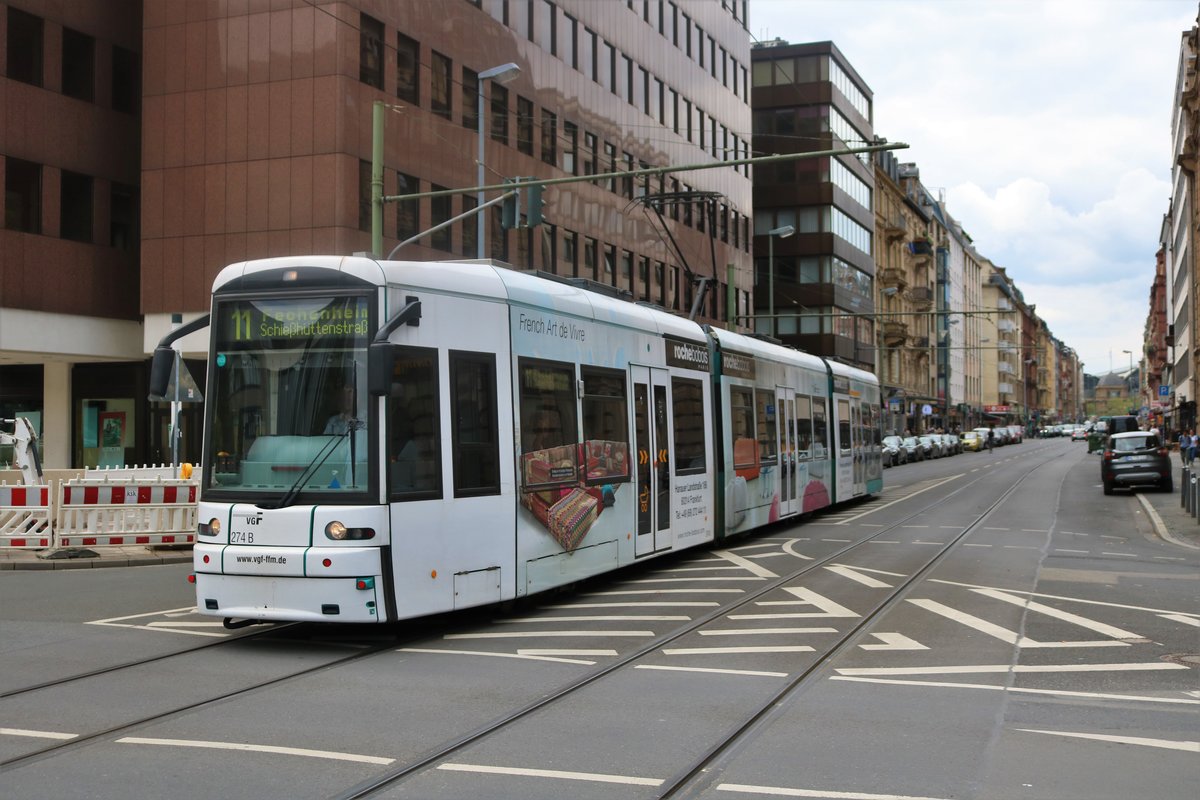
(449, 222)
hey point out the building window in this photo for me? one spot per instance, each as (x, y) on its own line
(364, 195)
(24, 47)
(75, 206)
(470, 99)
(525, 125)
(22, 195)
(470, 227)
(570, 148)
(78, 65)
(123, 218)
(126, 82)
(567, 33)
(567, 255)
(408, 62)
(370, 51)
(589, 258)
(499, 113)
(499, 236)
(439, 212)
(589, 154)
(439, 93)
(408, 223)
(549, 137)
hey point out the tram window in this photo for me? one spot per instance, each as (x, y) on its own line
(803, 426)
(843, 420)
(605, 425)
(820, 428)
(473, 424)
(548, 424)
(414, 450)
(741, 420)
(764, 403)
(687, 409)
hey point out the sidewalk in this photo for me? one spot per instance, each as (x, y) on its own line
(1166, 513)
(85, 558)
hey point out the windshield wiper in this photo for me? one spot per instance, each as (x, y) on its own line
(317, 461)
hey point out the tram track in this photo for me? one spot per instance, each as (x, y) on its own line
(679, 783)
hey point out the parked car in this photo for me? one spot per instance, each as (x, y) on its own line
(933, 449)
(1016, 434)
(894, 451)
(983, 437)
(955, 442)
(971, 440)
(916, 450)
(1136, 458)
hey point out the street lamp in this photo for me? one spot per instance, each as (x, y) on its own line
(782, 232)
(1137, 383)
(501, 75)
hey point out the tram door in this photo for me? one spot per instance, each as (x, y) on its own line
(785, 404)
(651, 429)
(861, 442)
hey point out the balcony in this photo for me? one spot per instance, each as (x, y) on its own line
(896, 228)
(922, 298)
(921, 341)
(894, 333)
(891, 277)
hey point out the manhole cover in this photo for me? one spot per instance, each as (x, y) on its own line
(1188, 659)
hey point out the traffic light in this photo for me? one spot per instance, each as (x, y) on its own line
(523, 209)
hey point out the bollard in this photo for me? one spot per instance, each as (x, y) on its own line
(1184, 476)
(1193, 486)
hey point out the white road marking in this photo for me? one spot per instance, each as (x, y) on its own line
(746, 564)
(545, 652)
(1065, 550)
(790, 549)
(1123, 555)
(875, 508)
(951, 527)
(594, 777)
(969, 669)
(996, 529)
(1003, 634)
(1018, 690)
(893, 641)
(522, 634)
(1166, 744)
(765, 631)
(1063, 597)
(972, 544)
(1021, 547)
(824, 794)
(619, 592)
(178, 624)
(1065, 616)
(749, 672)
(1116, 538)
(600, 618)
(709, 651)
(882, 541)
(257, 748)
(1186, 620)
(161, 627)
(660, 604)
(854, 575)
(725, 565)
(37, 734)
(839, 541)
(806, 597)
(682, 580)
(918, 541)
(922, 527)
(526, 655)
(1034, 530)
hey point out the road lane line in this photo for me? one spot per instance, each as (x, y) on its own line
(526, 655)
(660, 604)
(620, 592)
(821, 794)
(1166, 744)
(969, 669)
(1065, 550)
(522, 634)
(594, 777)
(854, 575)
(547, 652)
(762, 631)
(37, 734)
(257, 748)
(748, 672)
(710, 651)
(893, 641)
(599, 618)
(1017, 690)
(1065, 616)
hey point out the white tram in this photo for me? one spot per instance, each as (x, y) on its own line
(385, 440)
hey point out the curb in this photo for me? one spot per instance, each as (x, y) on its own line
(36, 563)
(1159, 527)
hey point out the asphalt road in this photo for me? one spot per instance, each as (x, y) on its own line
(991, 626)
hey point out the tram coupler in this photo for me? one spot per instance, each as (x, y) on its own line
(231, 624)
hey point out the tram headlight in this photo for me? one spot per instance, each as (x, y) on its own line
(339, 532)
(211, 528)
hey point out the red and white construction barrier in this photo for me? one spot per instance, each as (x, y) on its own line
(91, 514)
(25, 517)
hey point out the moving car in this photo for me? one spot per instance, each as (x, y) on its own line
(1136, 458)
(1079, 434)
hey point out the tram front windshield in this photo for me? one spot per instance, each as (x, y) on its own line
(289, 416)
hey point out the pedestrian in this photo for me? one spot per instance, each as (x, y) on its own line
(1194, 443)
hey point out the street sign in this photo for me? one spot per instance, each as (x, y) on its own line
(1164, 390)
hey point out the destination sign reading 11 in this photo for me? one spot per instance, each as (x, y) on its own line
(345, 318)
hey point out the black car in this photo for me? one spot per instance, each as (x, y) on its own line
(1136, 458)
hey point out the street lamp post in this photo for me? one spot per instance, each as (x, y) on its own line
(1137, 383)
(1129, 379)
(501, 75)
(782, 232)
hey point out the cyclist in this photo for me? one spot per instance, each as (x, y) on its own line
(991, 440)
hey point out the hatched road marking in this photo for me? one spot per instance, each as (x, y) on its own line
(1166, 744)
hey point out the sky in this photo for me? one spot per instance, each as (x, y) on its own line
(1047, 124)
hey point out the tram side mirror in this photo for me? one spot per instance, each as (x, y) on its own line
(381, 364)
(160, 371)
